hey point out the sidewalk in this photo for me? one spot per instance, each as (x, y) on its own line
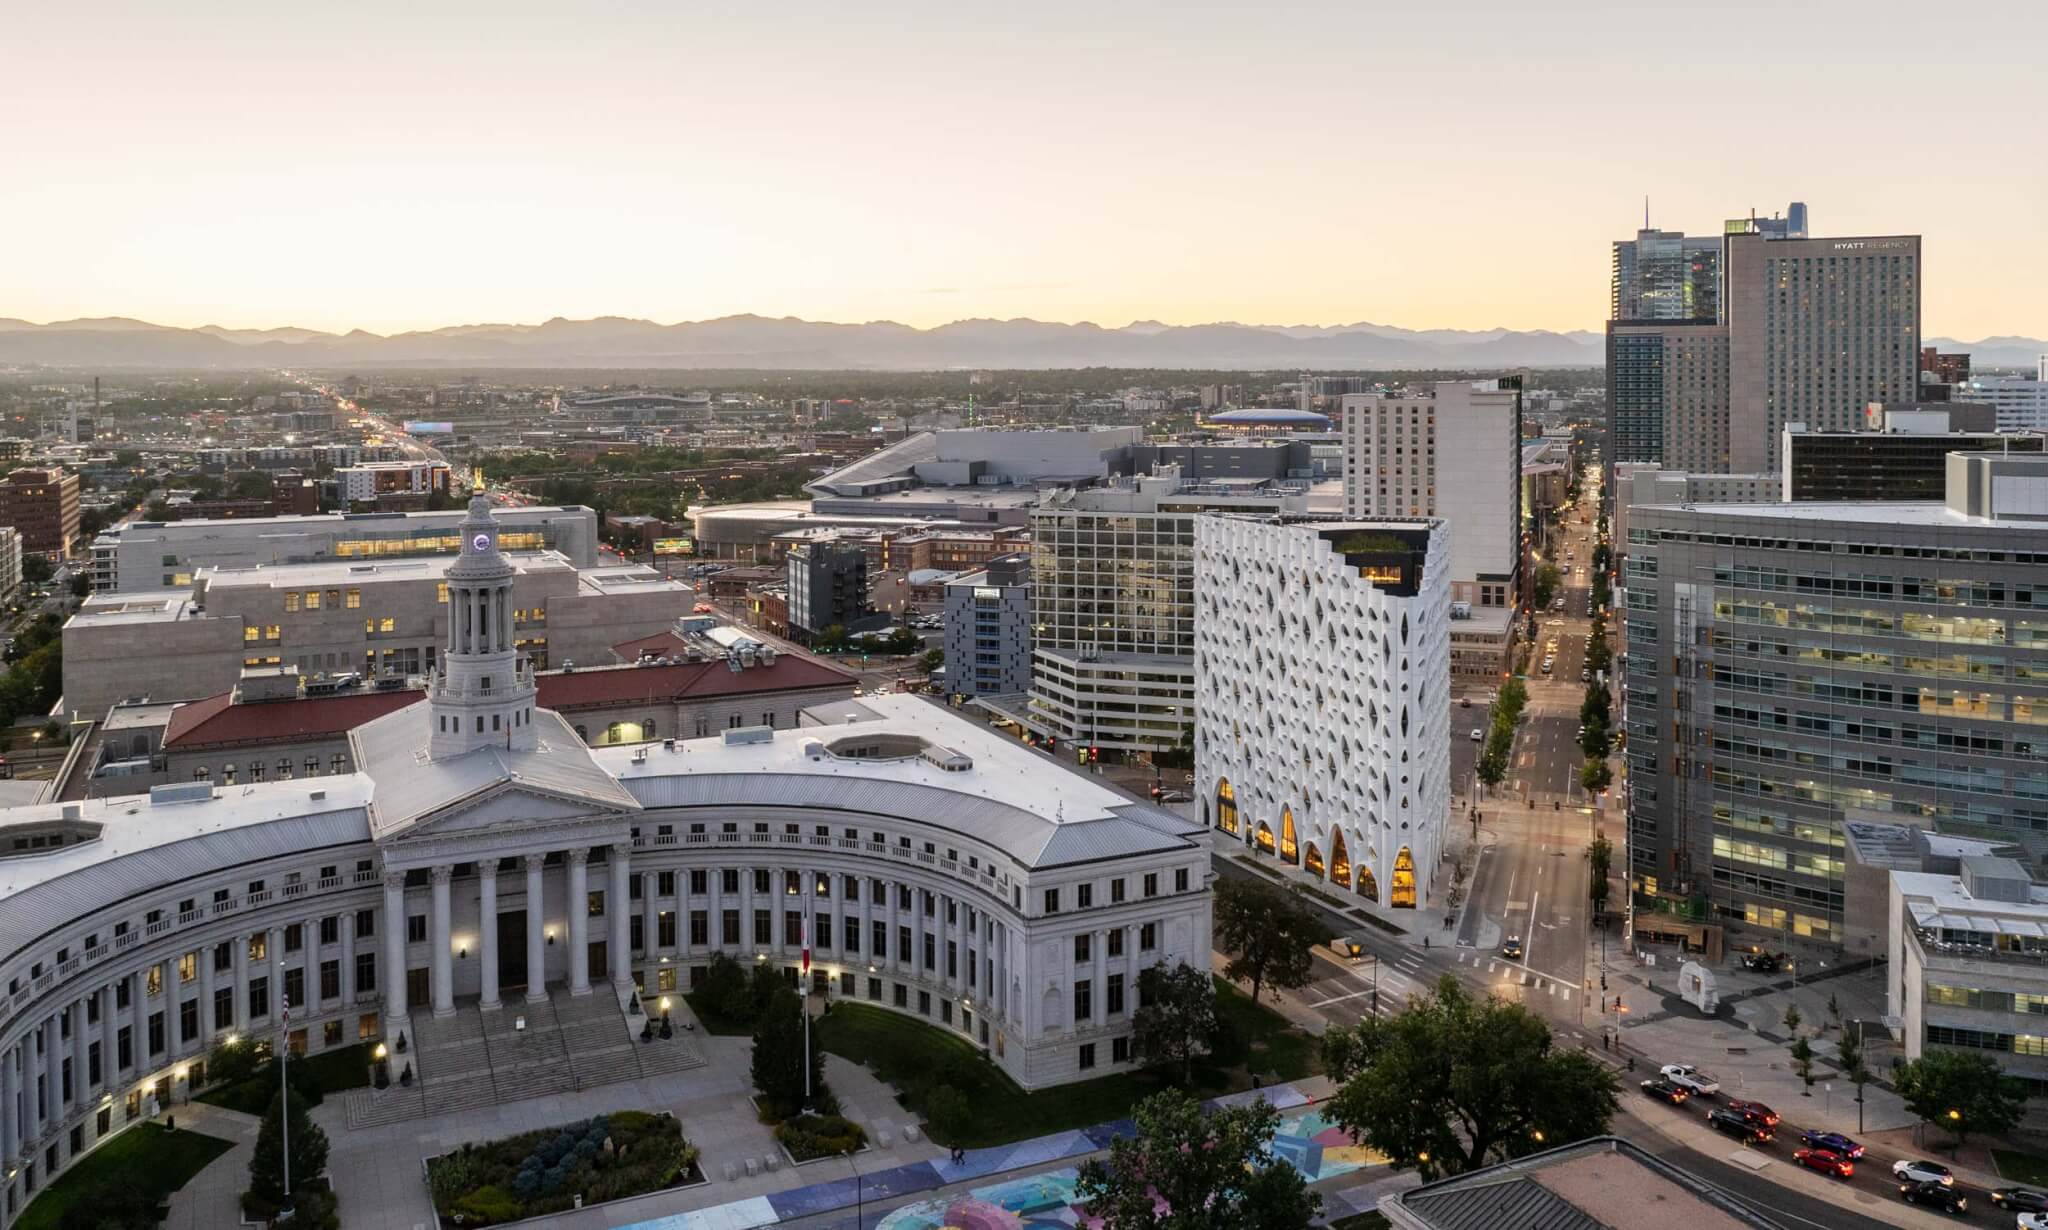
(214, 1196)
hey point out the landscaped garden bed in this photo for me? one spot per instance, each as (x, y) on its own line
(533, 1174)
(810, 1138)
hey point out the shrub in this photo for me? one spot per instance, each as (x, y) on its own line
(812, 1136)
(231, 1063)
(486, 1205)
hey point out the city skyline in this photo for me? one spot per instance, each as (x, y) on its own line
(390, 170)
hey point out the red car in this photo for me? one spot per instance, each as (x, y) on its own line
(1827, 1161)
(1755, 1111)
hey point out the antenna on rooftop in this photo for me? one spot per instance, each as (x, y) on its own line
(1646, 211)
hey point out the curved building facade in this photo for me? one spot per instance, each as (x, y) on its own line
(483, 862)
(1322, 677)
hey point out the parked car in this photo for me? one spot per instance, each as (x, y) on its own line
(1834, 1142)
(1935, 1195)
(1826, 1161)
(1754, 1110)
(1478, 735)
(1664, 1091)
(2020, 1199)
(1690, 1079)
(1911, 1171)
(1747, 1131)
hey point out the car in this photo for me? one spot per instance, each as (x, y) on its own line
(1834, 1142)
(2033, 1221)
(1464, 702)
(2020, 1199)
(1546, 666)
(1664, 1091)
(1754, 1110)
(1730, 1124)
(1478, 735)
(1934, 1195)
(1690, 1078)
(1827, 1161)
(1912, 1171)
(1512, 950)
(1174, 796)
(1763, 962)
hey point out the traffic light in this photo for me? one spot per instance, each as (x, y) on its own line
(1052, 744)
(1080, 755)
(1094, 754)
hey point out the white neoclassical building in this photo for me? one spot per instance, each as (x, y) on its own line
(1322, 673)
(505, 899)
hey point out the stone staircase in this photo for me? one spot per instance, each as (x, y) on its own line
(529, 1062)
(452, 1061)
(594, 1031)
(476, 1058)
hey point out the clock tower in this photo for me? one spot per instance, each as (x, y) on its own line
(482, 691)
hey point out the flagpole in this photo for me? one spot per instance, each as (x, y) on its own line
(284, 1100)
(807, 1009)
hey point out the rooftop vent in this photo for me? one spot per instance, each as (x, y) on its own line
(180, 792)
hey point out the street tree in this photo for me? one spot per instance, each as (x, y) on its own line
(1802, 1063)
(1599, 859)
(1597, 775)
(1849, 1057)
(1458, 1081)
(308, 1148)
(1269, 932)
(1190, 1169)
(1961, 1091)
(1176, 1014)
(1792, 1018)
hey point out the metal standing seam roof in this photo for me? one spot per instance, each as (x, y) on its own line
(118, 874)
(1512, 1203)
(1033, 840)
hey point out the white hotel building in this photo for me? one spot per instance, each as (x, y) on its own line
(485, 866)
(1322, 675)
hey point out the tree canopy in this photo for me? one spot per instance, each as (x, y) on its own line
(1960, 1091)
(1456, 1082)
(1176, 1015)
(1269, 931)
(308, 1151)
(1190, 1170)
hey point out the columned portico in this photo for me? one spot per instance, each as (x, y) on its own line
(443, 939)
(487, 923)
(617, 909)
(536, 930)
(579, 921)
(394, 944)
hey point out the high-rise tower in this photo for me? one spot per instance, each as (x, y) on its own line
(483, 690)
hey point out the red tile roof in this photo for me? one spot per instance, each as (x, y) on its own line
(218, 720)
(682, 681)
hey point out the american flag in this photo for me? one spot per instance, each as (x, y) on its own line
(284, 1012)
(807, 945)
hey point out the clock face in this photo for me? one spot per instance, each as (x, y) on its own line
(481, 542)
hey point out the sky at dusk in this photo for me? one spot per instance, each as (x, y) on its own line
(1457, 164)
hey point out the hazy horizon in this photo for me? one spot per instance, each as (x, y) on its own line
(1461, 166)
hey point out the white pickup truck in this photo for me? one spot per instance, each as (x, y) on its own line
(1690, 1078)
